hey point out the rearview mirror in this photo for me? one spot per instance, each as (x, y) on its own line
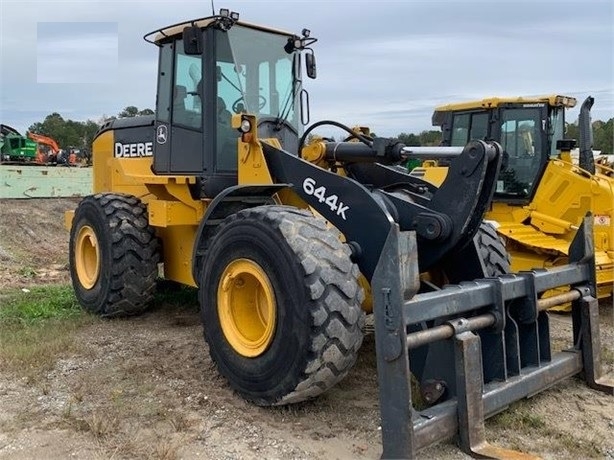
(310, 65)
(192, 41)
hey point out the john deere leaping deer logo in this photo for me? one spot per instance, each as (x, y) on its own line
(162, 134)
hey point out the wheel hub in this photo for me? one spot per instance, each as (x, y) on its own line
(87, 257)
(246, 307)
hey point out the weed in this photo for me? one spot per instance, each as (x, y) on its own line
(165, 450)
(577, 447)
(522, 418)
(100, 426)
(36, 327)
(179, 422)
(519, 416)
(67, 413)
(79, 391)
(27, 272)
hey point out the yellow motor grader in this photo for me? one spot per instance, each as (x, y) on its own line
(282, 237)
(541, 195)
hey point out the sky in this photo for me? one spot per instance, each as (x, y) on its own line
(382, 64)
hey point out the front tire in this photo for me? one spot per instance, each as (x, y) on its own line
(280, 305)
(492, 250)
(113, 255)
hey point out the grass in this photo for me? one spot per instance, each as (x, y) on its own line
(38, 303)
(36, 326)
(522, 417)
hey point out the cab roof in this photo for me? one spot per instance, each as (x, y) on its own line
(554, 100)
(174, 30)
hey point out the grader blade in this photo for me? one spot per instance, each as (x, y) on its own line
(498, 332)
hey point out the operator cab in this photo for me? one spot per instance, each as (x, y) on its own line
(210, 69)
(528, 133)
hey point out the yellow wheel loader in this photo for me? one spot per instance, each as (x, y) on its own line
(541, 195)
(283, 237)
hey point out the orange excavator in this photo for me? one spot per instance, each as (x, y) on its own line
(47, 148)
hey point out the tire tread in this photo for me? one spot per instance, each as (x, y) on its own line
(135, 254)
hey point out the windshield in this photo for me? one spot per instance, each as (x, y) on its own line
(256, 75)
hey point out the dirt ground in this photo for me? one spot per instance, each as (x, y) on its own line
(145, 387)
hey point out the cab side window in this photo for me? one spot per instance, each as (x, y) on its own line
(468, 127)
(187, 89)
(460, 130)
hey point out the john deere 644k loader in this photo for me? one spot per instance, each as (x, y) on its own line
(283, 239)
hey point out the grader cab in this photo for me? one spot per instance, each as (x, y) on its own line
(291, 243)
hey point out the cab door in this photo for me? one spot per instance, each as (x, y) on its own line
(179, 112)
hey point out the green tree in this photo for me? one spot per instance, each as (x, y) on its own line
(67, 133)
(409, 139)
(128, 112)
(57, 128)
(133, 111)
(424, 139)
(430, 138)
(572, 131)
(603, 136)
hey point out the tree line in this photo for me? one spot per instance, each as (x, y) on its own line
(80, 134)
(603, 135)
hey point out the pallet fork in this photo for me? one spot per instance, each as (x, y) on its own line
(496, 341)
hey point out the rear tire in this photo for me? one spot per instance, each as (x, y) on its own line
(114, 255)
(492, 250)
(280, 304)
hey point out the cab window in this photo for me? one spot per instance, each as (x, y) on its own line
(187, 89)
(460, 129)
(469, 126)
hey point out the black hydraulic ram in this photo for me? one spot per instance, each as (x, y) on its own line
(499, 332)
(375, 194)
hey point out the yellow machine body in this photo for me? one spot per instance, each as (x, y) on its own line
(171, 209)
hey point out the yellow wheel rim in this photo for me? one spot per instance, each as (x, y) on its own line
(87, 257)
(246, 307)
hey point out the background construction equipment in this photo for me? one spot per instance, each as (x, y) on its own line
(541, 195)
